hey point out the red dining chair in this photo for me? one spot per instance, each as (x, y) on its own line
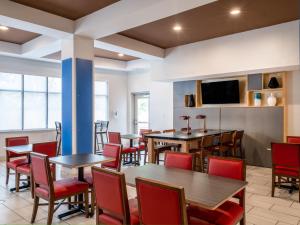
(109, 150)
(14, 160)
(179, 160)
(293, 139)
(46, 148)
(112, 204)
(142, 144)
(229, 213)
(115, 138)
(160, 203)
(285, 164)
(52, 191)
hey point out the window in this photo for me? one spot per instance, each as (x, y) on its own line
(30, 102)
(101, 100)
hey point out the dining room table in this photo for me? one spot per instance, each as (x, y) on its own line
(201, 189)
(131, 138)
(182, 138)
(21, 149)
(79, 162)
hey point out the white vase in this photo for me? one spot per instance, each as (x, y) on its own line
(257, 102)
(272, 100)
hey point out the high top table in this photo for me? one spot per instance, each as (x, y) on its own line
(200, 189)
(79, 161)
(179, 137)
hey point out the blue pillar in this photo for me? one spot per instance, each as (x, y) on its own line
(77, 96)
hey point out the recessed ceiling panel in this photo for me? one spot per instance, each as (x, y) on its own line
(214, 20)
(71, 9)
(17, 36)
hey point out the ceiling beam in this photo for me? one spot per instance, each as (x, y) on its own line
(129, 46)
(41, 46)
(29, 19)
(10, 48)
(126, 14)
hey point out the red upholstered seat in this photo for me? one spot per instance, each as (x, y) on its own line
(13, 164)
(282, 170)
(63, 188)
(129, 150)
(160, 203)
(229, 213)
(111, 198)
(179, 160)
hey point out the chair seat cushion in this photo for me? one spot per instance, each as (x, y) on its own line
(294, 172)
(63, 188)
(107, 218)
(141, 147)
(13, 164)
(129, 150)
(229, 213)
(26, 169)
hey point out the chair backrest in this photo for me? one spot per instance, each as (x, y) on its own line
(227, 167)
(179, 160)
(169, 131)
(142, 132)
(238, 136)
(45, 148)
(113, 151)
(226, 137)
(160, 203)
(15, 141)
(207, 141)
(286, 154)
(114, 138)
(41, 172)
(293, 139)
(111, 194)
(58, 127)
(104, 126)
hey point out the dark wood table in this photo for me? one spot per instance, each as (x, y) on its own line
(201, 189)
(79, 161)
(179, 137)
(21, 149)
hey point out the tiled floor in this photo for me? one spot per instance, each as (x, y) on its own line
(16, 208)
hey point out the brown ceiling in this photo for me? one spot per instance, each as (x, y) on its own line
(213, 20)
(71, 9)
(17, 36)
(98, 53)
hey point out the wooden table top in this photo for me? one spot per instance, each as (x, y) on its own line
(20, 149)
(130, 136)
(183, 136)
(80, 160)
(204, 190)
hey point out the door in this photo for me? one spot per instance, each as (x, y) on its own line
(141, 114)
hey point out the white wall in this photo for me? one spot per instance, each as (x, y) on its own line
(272, 48)
(117, 82)
(293, 97)
(161, 99)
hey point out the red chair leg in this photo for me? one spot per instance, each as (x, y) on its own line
(17, 181)
(50, 212)
(35, 208)
(86, 203)
(7, 175)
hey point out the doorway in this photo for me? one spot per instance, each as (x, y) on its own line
(141, 111)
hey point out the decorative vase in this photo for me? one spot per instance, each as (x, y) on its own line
(272, 100)
(257, 99)
(191, 101)
(273, 83)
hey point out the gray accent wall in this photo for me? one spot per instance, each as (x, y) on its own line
(261, 125)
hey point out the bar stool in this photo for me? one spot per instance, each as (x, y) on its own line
(58, 137)
(101, 128)
(224, 143)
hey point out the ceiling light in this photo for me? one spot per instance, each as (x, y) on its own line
(3, 28)
(120, 54)
(235, 12)
(177, 28)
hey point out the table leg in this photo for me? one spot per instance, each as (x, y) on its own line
(151, 153)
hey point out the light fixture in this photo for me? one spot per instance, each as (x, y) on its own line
(235, 12)
(120, 54)
(177, 28)
(3, 28)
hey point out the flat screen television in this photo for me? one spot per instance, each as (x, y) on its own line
(223, 92)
